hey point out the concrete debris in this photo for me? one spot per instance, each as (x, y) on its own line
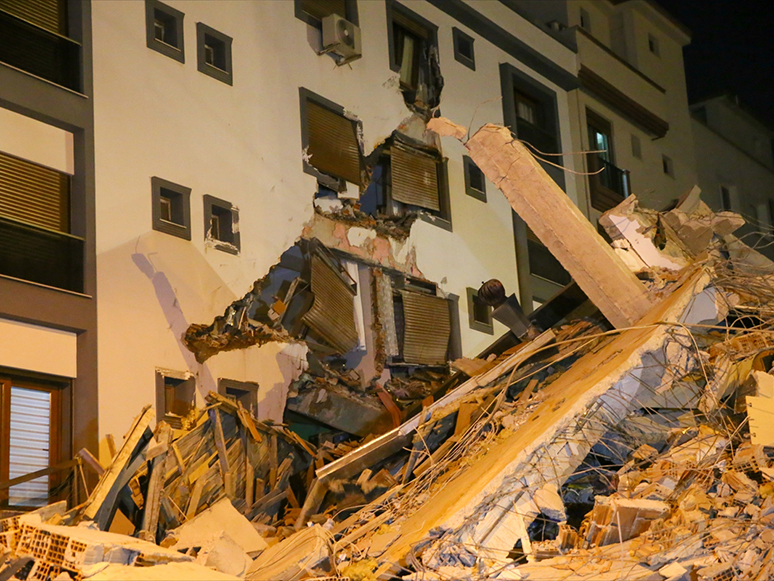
(634, 442)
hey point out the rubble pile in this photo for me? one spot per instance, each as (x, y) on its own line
(619, 437)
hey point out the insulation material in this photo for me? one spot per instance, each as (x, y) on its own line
(386, 313)
(427, 328)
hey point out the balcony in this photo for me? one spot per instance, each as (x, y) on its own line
(610, 186)
(538, 138)
(40, 52)
(39, 255)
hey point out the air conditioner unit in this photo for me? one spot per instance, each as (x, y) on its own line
(341, 37)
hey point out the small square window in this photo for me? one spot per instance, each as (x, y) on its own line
(463, 48)
(636, 147)
(175, 397)
(164, 29)
(585, 20)
(221, 224)
(667, 166)
(653, 45)
(171, 208)
(475, 181)
(245, 392)
(214, 53)
(479, 313)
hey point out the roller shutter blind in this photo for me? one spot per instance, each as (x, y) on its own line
(414, 178)
(48, 14)
(322, 8)
(332, 315)
(332, 143)
(427, 328)
(34, 194)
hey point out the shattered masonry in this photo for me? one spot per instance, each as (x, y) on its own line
(579, 451)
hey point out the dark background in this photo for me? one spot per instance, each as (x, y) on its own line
(732, 51)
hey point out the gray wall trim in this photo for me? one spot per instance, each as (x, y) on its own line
(504, 40)
(33, 97)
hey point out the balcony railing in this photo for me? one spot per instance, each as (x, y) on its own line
(40, 52)
(538, 138)
(610, 186)
(38, 255)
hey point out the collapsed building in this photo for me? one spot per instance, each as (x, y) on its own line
(619, 432)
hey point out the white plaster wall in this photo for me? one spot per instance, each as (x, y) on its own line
(41, 349)
(35, 141)
(157, 117)
(734, 124)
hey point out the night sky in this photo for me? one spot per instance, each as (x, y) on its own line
(732, 51)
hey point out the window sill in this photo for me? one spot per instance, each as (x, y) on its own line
(45, 286)
(443, 223)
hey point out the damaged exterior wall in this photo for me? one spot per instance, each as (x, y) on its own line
(242, 144)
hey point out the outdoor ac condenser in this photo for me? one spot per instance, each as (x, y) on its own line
(341, 37)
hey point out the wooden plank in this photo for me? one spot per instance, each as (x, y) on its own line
(463, 416)
(249, 471)
(193, 502)
(526, 393)
(150, 519)
(247, 422)
(114, 478)
(37, 474)
(111, 444)
(178, 457)
(220, 444)
(273, 461)
(556, 221)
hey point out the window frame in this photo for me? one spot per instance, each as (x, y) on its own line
(636, 146)
(584, 20)
(186, 382)
(335, 183)
(668, 166)
(210, 202)
(473, 322)
(251, 387)
(458, 36)
(223, 75)
(403, 12)
(60, 432)
(177, 51)
(469, 165)
(173, 228)
(350, 9)
(653, 45)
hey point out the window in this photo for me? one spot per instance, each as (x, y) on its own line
(531, 113)
(653, 45)
(214, 53)
(313, 11)
(636, 147)
(164, 29)
(463, 48)
(726, 198)
(175, 397)
(330, 142)
(479, 313)
(221, 224)
(585, 20)
(245, 392)
(608, 184)
(171, 208)
(413, 43)
(475, 182)
(417, 179)
(31, 439)
(667, 166)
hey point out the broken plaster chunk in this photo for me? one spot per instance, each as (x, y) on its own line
(357, 236)
(446, 128)
(550, 503)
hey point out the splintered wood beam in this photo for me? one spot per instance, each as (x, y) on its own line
(158, 471)
(555, 220)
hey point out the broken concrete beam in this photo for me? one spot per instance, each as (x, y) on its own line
(346, 411)
(166, 572)
(292, 556)
(556, 221)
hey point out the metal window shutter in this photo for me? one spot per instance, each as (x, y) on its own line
(332, 315)
(428, 326)
(30, 440)
(333, 144)
(410, 25)
(48, 14)
(322, 8)
(415, 179)
(34, 194)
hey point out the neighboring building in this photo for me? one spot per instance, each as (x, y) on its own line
(736, 164)
(257, 200)
(632, 103)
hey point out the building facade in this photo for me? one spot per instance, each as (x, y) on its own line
(251, 208)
